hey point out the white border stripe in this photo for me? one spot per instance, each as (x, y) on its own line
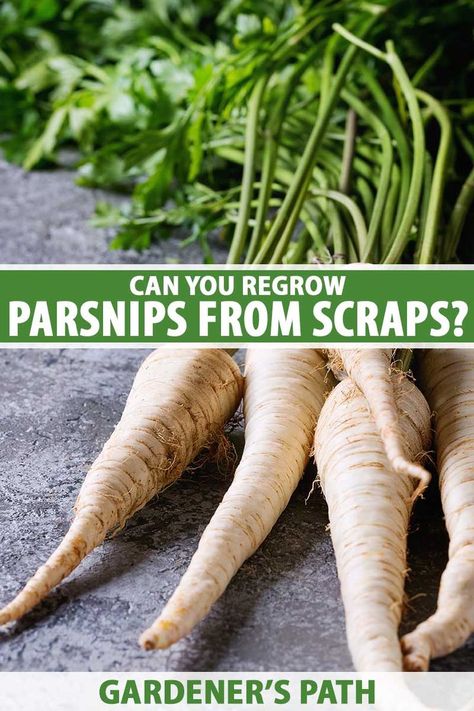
(238, 267)
(267, 345)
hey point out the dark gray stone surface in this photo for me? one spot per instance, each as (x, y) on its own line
(282, 611)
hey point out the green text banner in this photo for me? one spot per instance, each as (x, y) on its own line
(90, 306)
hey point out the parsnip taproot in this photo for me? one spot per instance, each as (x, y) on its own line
(179, 402)
(369, 508)
(447, 379)
(283, 395)
(370, 369)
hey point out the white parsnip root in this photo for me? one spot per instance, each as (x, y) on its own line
(447, 379)
(179, 402)
(284, 393)
(369, 509)
(371, 369)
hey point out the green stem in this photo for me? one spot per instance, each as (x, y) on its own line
(416, 181)
(385, 169)
(363, 189)
(311, 222)
(428, 65)
(336, 233)
(409, 214)
(270, 153)
(327, 70)
(389, 210)
(458, 216)
(288, 231)
(287, 217)
(430, 231)
(297, 254)
(240, 234)
(340, 255)
(404, 359)
(395, 129)
(358, 41)
(425, 200)
(353, 210)
(348, 151)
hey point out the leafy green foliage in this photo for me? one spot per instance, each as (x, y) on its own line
(153, 96)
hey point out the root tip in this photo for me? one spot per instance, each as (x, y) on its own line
(161, 635)
(7, 615)
(147, 642)
(415, 657)
(416, 471)
(152, 640)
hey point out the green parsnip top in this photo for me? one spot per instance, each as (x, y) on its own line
(235, 118)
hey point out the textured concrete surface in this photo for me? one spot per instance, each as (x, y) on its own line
(282, 611)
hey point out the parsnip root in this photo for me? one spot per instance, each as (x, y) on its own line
(369, 509)
(179, 401)
(284, 393)
(371, 371)
(447, 379)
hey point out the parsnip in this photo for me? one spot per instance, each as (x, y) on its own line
(284, 393)
(447, 379)
(179, 401)
(371, 369)
(369, 508)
